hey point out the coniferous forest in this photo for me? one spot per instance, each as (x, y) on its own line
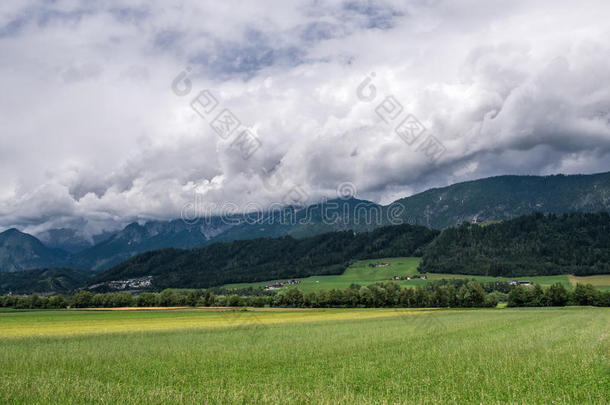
(531, 245)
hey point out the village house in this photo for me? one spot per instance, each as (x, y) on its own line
(523, 283)
(279, 284)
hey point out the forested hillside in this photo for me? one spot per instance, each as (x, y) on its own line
(267, 259)
(506, 197)
(526, 246)
(43, 280)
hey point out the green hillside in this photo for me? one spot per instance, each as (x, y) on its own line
(357, 273)
(55, 280)
(506, 197)
(264, 259)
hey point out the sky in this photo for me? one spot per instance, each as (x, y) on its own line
(116, 111)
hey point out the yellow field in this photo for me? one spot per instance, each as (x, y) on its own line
(79, 322)
(601, 281)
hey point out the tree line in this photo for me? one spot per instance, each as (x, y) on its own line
(437, 294)
(557, 295)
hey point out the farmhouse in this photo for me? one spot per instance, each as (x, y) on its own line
(279, 284)
(397, 278)
(523, 283)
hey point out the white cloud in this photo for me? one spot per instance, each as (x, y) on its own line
(91, 129)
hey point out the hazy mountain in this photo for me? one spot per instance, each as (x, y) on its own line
(136, 238)
(314, 220)
(65, 239)
(20, 251)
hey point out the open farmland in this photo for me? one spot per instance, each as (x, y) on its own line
(309, 356)
(358, 273)
(361, 273)
(601, 281)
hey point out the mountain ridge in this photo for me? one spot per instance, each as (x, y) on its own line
(488, 199)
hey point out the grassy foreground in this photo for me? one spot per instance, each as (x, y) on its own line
(316, 356)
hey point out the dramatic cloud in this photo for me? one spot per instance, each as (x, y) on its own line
(93, 132)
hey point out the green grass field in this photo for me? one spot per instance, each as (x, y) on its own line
(361, 273)
(601, 282)
(332, 356)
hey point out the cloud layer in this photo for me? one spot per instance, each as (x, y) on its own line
(92, 132)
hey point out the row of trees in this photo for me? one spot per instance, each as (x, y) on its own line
(450, 293)
(557, 295)
(440, 294)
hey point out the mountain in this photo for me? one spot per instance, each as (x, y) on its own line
(268, 258)
(55, 280)
(20, 251)
(532, 245)
(327, 216)
(71, 240)
(65, 239)
(505, 197)
(490, 199)
(136, 238)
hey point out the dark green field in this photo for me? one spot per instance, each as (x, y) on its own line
(331, 356)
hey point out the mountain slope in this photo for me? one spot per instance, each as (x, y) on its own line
(491, 199)
(314, 220)
(136, 238)
(56, 280)
(268, 258)
(532, 245)
(324, 217)
(505, 197)
(70, 239)
(20, 251)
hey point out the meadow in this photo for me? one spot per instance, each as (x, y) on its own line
(327, 356)
(361, 273)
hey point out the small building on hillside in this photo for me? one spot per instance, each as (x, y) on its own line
(522, 282)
